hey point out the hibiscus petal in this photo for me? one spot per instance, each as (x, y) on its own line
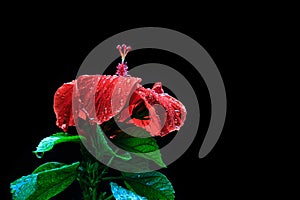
(112, 95)
(96, 97)
(63, 106)
(166, 113)
(157, 87)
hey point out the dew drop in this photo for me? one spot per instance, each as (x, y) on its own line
(176, 121)
(112, 136)
(39, 154)
(121, 101)
(128, 81)
(105, 110)
(119, 90)
(64, 126)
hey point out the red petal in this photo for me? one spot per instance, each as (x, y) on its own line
(112, 94)
(166, 113)
(63, 106)
(157, 87)
(96, 97)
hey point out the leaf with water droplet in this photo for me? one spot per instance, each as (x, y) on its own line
(121, 193)
(48, 143)
(152, 185)
(45, 182)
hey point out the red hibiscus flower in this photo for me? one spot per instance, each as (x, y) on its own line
(102, 97)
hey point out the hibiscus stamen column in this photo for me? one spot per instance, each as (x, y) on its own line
(122, 67)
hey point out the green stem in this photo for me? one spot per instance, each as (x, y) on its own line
(91, 173)
(88, 176)
(109, 197)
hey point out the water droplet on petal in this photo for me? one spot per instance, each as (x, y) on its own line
(119, 90)
(105, 110)
(177, 113)
(128, 81)
(176, 122)
(64, 126)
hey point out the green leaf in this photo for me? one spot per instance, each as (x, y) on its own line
(48, 166)
(142, 146)
(49, 142)
(153, 185)
(102, 147)
(121, 193)
(137, 165)
(46, 181)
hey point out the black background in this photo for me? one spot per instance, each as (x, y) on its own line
(43, 54)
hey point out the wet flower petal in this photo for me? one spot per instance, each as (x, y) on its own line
(96, 97)
(63, 106)
(166, 114)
